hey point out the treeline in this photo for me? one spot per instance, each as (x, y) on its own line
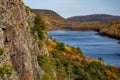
(86, 25)
(112, 29)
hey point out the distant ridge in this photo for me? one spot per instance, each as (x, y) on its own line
(94, 18)
(50, 15)
(52, 19)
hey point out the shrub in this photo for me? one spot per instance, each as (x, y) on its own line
(61, 46)
(27, 9)
(54, 40)
(48, 66)
(111, 75)
(69, 69)
(1, 51)
(55, 53)
(40, 44)
(100, 58)
(79, 50)
(47, 76)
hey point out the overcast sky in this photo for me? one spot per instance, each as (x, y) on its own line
(68, 8)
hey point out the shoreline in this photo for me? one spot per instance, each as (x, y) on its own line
(101, 34)
(95, 33)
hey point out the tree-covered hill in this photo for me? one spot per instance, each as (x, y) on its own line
(94, 18)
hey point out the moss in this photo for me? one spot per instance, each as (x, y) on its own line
(5, 69)
(47, 76)
(1, 51)
(29, 24)
(36, 78)
(2, 79)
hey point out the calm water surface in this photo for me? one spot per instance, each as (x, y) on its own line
(91, 44)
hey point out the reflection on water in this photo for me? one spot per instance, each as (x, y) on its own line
(91, 44)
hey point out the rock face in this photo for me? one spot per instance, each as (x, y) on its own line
(1, 39)
(17, 42)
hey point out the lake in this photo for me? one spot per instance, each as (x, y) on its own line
(91, 44)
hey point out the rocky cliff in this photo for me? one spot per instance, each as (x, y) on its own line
(18, 57)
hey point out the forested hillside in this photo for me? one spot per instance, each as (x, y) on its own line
(52, 19)
(94, 18)
(111, 29)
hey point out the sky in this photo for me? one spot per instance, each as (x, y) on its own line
(68, 8)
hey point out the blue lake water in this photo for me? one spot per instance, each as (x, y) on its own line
(91, 44)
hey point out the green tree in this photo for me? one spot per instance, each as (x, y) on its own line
(39, 27)
(61, 46)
